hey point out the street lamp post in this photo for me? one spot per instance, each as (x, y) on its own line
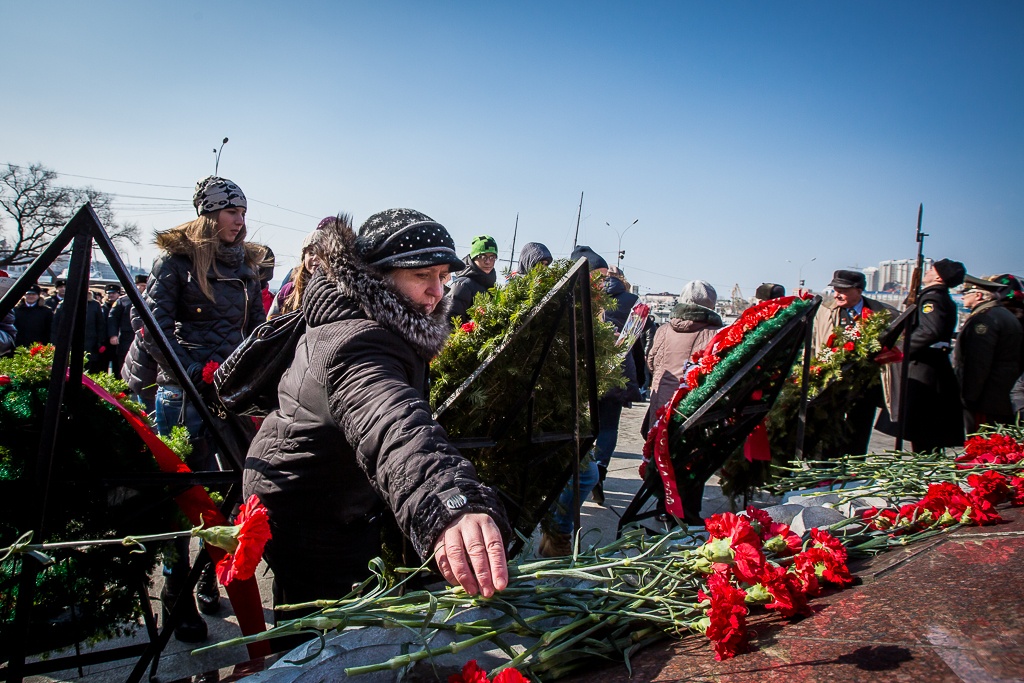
(619, 254)
(216, 166)
(800, 271)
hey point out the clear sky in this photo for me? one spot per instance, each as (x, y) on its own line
(740, 134)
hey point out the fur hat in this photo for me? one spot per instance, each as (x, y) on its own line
(769, 290)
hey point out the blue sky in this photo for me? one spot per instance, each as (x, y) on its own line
(740, 134)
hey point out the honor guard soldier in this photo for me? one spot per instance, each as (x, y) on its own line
(933, 393)
(987, 355)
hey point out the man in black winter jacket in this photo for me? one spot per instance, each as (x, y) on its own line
(33, 319)
(933, 393)
(478, 276)
(95, 329)
(986, 356)
(354, 440)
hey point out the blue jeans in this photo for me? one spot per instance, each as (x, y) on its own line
(563, 507)
(169, 401)
(167, 414)
(610, 410)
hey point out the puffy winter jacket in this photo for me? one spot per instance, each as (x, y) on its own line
(674, 345)
(465, 285)
(354, 430)
(617, 316)
(201, 330)
(139, 369)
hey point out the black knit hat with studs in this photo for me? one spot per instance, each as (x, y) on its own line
(404, 238)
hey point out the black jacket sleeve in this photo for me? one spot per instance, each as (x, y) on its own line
(166, 282)
(114, 319)
(931, 322)
(406, 455)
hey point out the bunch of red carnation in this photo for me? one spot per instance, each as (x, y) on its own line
(996, 449)
(947, 504)
(736, 558)
(472, 673)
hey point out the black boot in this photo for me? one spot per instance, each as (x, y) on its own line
(192, 628)
(207, 591)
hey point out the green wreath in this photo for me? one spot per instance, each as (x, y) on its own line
(837, 373)
(85, 595)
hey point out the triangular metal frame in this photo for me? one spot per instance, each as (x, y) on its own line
(63, 395)
(745, 416)
(571, 291)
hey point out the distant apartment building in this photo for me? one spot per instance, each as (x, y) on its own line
(895, 275)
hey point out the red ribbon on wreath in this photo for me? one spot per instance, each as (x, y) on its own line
(198, 507)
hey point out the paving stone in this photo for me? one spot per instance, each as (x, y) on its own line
(783, 514)
(813, 518)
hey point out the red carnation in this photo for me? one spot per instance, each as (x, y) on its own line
(991, 486)
(879, 520)
(849, 346)
(866, 313)
(829, 543)
(727, 622)
(734, 545)
(36, 350)
(781, 540)
(4, 380)
(469, 327)
(510, 676)
(208, 371)
(786, 596)
(824, 565)
(759, 520)
(831, 340)
(253, 532)
(471, 673)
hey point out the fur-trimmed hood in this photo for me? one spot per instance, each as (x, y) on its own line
(346, 288)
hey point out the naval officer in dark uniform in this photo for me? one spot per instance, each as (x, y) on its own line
(987, 355)
(934, 414)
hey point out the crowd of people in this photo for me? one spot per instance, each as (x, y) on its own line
(353, 439)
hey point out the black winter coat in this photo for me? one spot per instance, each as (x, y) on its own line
(119, 324)
(617, 316)
(34, 324)
(139, 369)
(987, 359)
(201, 330)
(354, 432)
(934, 413)
(95, 326)
(464, 287)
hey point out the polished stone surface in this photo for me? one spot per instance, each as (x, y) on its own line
(951, 609)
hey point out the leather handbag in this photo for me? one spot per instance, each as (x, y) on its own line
(246, 383)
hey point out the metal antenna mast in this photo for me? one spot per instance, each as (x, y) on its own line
(576, 238)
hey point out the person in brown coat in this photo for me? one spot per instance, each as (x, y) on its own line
(692, 325)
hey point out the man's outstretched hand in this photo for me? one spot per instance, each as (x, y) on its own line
(470, 554)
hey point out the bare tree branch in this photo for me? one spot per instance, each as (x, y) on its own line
(33, 208)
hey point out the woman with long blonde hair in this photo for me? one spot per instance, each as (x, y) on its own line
(204, 291)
